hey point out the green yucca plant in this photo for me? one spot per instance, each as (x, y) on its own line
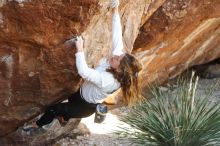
(181, 119)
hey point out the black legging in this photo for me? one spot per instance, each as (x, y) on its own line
(76, 107)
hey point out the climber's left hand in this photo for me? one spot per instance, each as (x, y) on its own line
(79, 44)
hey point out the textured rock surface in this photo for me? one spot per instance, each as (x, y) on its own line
(36, 69)
(180, 34)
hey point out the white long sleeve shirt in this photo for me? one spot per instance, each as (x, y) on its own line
(98, 82)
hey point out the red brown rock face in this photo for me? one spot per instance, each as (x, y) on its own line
(180, 34)
(36, 69)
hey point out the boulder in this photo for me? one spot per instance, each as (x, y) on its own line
(37, 69)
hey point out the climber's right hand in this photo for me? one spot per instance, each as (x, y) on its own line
(79, 44)
(114, 3)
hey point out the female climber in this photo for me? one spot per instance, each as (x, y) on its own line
(119, 71)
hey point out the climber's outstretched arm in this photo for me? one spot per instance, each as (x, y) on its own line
(117, 43)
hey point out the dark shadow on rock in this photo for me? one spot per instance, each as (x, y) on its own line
(51, 133)
(209, 70)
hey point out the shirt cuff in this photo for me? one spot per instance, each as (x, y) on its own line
(79, 54)
(115, 16)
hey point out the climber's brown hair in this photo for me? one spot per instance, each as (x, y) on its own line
(129, 79)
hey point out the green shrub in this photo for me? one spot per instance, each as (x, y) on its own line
(181, 119)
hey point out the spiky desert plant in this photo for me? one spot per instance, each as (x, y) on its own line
(181, 119)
